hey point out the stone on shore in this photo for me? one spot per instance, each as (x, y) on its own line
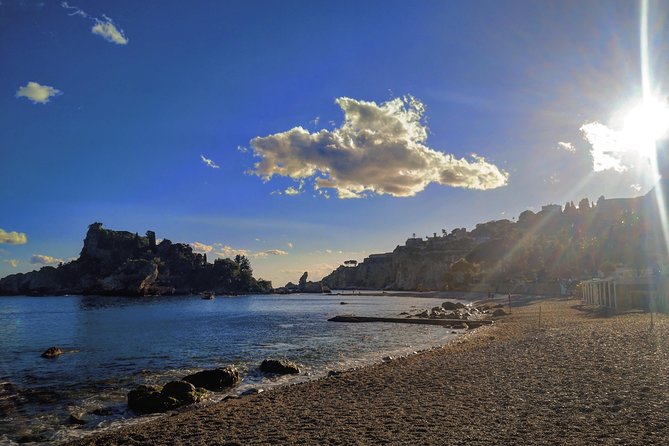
(214, 380)
(52, 352)
(147, 399)
(182, 391)
(279, 367)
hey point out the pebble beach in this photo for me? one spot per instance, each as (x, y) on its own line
(551, 372)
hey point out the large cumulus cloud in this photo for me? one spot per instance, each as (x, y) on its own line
(380, 148)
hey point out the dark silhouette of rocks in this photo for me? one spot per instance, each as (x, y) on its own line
(121, 263)
(303, 286)
(540, 252)
(155, 399)
(214, 380)
(52, 352)
(279, 367)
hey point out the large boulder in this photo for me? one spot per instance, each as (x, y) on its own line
(279, 366)
(148, 399)
(452, 306)
(214, 380)
(154, 399)
(182, 391)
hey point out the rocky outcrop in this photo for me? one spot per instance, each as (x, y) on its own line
(418, 265)
(147, 399)
(303, 286)
(122, 263)
(279, 367)
(214, 380)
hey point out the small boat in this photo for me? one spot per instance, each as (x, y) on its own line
(208, 295)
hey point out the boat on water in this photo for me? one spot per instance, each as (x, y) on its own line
(208, 295)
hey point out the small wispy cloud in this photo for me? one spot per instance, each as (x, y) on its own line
(104, 27)
(37, 93)
(292, 191)
(316, 120)
(201, 247)
(12, 262)
(13, 237)
(242, 149)
(225, 251)
(567, 146)
(41, 259)
(290, 245)
(209, 162)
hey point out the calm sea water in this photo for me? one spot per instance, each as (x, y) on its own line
(113, 344)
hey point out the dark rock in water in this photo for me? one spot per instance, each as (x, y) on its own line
(74, 419)
(182, 391)
(498, 312)
(214, 380)
(452, 306)
(279, 366)
(303, 279)
(343, 303)
(52, 352)
(148, 399)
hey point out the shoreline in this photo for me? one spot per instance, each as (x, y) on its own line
(569, 377)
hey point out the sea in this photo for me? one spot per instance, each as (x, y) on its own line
(113, 344)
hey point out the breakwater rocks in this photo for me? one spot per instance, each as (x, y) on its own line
(146, 399)
(121, 263)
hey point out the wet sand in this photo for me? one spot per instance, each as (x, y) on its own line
(575, 378)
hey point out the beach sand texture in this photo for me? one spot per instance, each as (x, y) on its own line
(578, 378)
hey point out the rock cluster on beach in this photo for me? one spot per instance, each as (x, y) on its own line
(192, 388)
(125, 264)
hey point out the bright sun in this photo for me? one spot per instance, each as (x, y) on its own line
(647, 123)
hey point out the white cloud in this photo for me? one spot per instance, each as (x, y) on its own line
(13, 238)
(608, 147)
(12, 262)
(225, 251)
(292, 191)
(201, 247)
(276, 252)
(40, 259)
(104, 27)
(290, 245)
(209, 162)
(108, 31)
(569, 147)
(242, 149)
(378, 149)
(38, 94)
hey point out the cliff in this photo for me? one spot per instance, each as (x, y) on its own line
(418, 265)
(122, 263)
(556, 244)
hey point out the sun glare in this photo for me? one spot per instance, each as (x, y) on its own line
(647, 123)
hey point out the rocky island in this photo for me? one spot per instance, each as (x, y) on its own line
(121, 263)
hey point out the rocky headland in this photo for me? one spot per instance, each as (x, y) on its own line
(121, 263)
(545, 252)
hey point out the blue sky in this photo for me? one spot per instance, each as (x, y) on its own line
(128, 97)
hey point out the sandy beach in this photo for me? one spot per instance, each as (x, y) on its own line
(571, 376)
